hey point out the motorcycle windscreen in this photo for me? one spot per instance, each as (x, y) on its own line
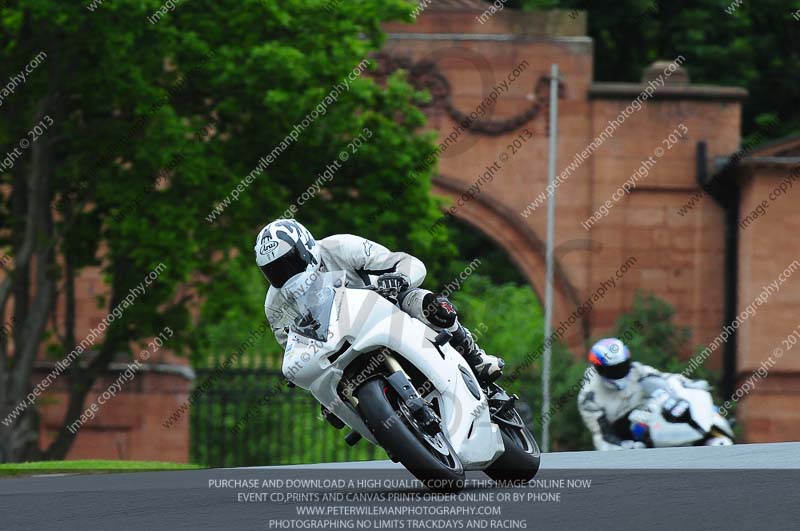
(314, 303)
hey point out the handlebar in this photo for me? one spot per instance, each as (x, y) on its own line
(388, 294)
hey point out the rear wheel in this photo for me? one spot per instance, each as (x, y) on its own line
(520, 460)
(430, 458)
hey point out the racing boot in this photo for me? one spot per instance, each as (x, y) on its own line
(487, 368)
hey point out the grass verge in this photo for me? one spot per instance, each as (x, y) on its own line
(89, 466)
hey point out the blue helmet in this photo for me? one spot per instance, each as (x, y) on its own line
(610, 358)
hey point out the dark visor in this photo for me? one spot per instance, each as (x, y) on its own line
(280, 270)
(614, 372)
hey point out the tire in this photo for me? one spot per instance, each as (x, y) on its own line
(439, 470)
(520, 460)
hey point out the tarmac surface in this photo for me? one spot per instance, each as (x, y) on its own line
(738, 487)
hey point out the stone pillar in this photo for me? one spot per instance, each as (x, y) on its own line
(768, 360)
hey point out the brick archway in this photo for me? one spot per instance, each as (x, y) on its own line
(470, 69)
(526, 250)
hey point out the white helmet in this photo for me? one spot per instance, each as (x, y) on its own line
(611, 358)
(284, 249)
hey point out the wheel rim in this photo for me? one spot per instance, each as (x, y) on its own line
(438, 444)
(520, 436)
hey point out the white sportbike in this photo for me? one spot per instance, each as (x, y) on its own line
(676, 415)
(397, 383)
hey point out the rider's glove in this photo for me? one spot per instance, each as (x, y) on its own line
(639, 415)
(396, 282)
(702, 385)
(631, 445)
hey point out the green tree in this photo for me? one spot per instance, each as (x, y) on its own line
(145, 128)
(755, 46)
(659, 341)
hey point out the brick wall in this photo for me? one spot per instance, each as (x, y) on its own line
(679, 258)
(129, 425)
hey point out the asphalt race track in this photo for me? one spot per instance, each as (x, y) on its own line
(738, 487)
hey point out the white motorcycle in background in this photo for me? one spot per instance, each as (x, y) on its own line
(679, 416)
(397, 383)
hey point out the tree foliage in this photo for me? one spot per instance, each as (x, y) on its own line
(659, 341)
(755, 46)
(155, 124)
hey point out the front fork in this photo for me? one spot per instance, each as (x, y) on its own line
(417, 406)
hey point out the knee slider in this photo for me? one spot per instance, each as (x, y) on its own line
(439, 311)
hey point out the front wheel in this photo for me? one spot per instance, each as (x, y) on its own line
(520, 460)
(430, 458)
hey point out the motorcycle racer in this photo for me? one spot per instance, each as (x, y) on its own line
(290, 258)
(615, 387)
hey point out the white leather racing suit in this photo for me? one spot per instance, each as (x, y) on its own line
(362, 261)
(602, 405)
